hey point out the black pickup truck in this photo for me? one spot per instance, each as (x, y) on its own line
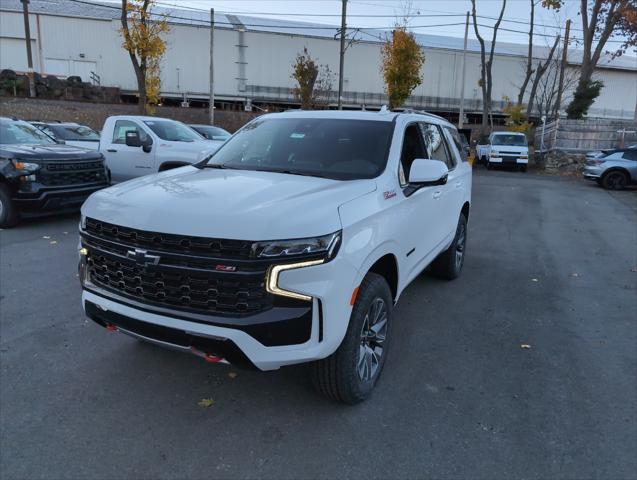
(40, 176)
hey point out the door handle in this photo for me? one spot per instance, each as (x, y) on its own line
(437, 194)
(111, 150)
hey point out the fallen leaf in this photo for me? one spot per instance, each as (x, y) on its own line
(574, 274)
(232, 375)
(525, 345)
(46, 237)
(534, 280)
(65, 233)
(53, 242)
(206, 402)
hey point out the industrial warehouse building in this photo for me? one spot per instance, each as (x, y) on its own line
(253, 58)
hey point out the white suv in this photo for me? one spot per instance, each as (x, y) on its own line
(290, 244)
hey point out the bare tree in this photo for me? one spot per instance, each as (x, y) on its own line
(548, 85)
(540, 70)
(529, 57)
(486, 79)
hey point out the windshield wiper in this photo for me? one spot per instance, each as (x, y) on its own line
(291, 172)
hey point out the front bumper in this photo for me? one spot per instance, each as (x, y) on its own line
(506, 160)
(54, 199)
(265, 343)
(592, 173)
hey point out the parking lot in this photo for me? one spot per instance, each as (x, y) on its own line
(551, 265)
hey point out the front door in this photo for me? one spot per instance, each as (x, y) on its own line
(128, 162)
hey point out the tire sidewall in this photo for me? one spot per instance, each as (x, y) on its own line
(374, 286)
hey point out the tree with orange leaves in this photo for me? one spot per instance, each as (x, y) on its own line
(402, 60)
(142, 32)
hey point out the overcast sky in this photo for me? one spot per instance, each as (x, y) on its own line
(328, 12)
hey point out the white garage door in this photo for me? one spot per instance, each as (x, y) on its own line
(13, 54)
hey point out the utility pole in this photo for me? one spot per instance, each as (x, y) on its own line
(27, 36)
(558, 102)
(211, 112)
(464, 69)
(342, 58)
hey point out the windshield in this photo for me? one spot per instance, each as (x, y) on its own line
(337, 149)
(75, 132)
(173, 131)
(14, 132)
(513, 140)
(212, 133)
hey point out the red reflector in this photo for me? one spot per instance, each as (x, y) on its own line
(212, 358)
(354, 295)
(111, 328)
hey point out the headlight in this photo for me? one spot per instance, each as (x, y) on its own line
(82, 222)
(524, 156)
(26, 166)
(495, 154)
(325, 246)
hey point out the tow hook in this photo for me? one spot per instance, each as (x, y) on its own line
(208, 357)
(111, 328)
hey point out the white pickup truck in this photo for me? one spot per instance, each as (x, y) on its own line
(504, 148)
(291, 244)
(136, 145)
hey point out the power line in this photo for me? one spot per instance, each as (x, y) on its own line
(315, 27)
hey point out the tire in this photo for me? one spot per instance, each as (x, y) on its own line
(615, 180)
(522, 168)
(449, 263)
(351, 372)
(8, 212)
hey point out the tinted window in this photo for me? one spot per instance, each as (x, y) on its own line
(338, 149)
(212, 133)
(123, 126)
(172, 131)
(509, 139)
(630, 155)
(460, 141)
(435, 144)
(14, 132)
(75, 132)
(411, 150)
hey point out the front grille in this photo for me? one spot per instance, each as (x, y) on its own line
(71, 173)
(214, 247)
(175, 277)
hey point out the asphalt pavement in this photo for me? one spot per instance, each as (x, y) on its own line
(551, 265)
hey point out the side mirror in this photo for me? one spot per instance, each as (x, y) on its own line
(132, 139)
(425, 173)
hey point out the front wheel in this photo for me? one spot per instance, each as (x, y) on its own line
(8, 212)
(350, 373)
(615, 180)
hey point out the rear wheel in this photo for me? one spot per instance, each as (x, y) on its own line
(8, 211)
(350, 373)
(449, 263)
(615, 180)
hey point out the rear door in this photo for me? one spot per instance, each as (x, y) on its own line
(128, 162)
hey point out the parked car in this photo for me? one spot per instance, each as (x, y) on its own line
(71, 134)
(211, 133)
(601, 153)
(38, 176)
(505, 148)
(290, 244)
(136, 145)
(615, 170)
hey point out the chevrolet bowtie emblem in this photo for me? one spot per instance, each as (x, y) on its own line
(142, 257)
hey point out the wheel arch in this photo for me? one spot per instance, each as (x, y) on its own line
(387, 267)
(465, 210)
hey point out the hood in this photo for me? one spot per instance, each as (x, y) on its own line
(53, 152)
(233, 204)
